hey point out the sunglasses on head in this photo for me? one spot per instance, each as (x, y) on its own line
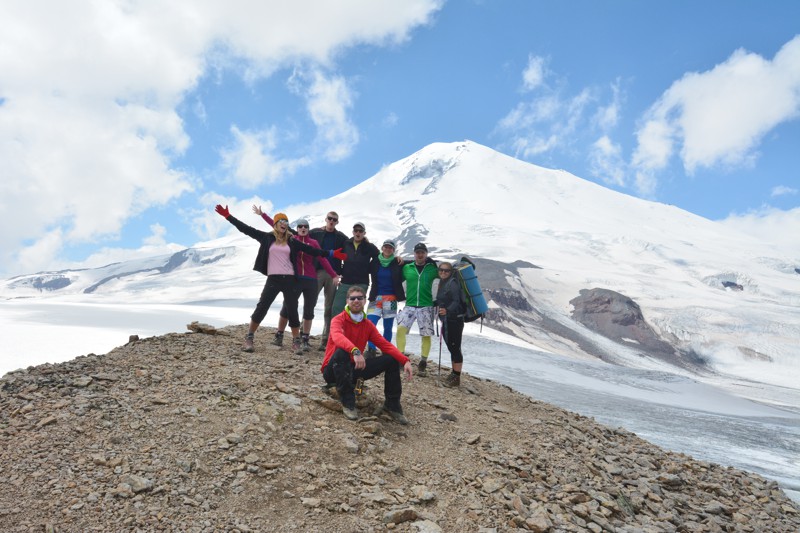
(333, 219)
(355, 298)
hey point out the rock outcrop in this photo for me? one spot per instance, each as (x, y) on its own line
(185, 432)
(619, 318)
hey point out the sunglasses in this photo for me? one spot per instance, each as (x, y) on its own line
(445, 270)
(333, 219)
(358, 230)
(355, 298)
(302, 226)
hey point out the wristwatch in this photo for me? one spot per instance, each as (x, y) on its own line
(356, 352)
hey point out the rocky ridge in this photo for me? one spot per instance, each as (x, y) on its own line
(185, 432)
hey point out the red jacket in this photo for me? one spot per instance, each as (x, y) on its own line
(347, 334)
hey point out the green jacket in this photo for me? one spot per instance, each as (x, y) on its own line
(419, 285)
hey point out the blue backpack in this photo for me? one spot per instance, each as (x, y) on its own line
(468, 280)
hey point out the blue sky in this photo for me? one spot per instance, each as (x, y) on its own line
(123, 123)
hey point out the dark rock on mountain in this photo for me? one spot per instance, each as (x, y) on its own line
(732, 285)
(44, 282)
(619, 318)
(508, 298)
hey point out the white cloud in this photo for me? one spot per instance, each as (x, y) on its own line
(544, 124)
(553, 120)
(606, 161)
(251, 160)
(607, 117)
(769, 224)
(720, 116)
(390, 120)
(89, 92)
(534, 73)
(328, 101)
(208, 224)
(782, 190)
(157, 236)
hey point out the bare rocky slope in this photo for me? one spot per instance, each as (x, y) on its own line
(184, 432)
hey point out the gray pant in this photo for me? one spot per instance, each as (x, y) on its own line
(324, 280)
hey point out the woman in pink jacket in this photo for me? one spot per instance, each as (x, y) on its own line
(307, 284)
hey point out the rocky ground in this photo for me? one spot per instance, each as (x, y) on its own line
(185, 432)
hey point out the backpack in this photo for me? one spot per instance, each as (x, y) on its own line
(468, 280)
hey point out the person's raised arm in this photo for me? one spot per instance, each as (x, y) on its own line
(268, 219)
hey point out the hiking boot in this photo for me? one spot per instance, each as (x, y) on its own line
(370, 353)
(452, 380)
(248, 343)
(278, 340)
(421, 367)
(350, 414)
(305, 344)
(296, 346)
(323, 343)
(397, 414)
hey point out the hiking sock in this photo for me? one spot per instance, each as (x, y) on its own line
(401, 338)
(426, 346)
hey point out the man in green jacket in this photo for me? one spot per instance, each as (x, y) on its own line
(418, 275)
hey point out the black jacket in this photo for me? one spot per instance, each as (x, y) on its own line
(318, 234)
(358, 264)
(397, 279)
(266, 239)
(451, 296)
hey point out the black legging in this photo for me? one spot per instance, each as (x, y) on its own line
(452, 330)
(308, 288)
(278, 284)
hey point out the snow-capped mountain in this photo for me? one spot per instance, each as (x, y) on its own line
(569, 266)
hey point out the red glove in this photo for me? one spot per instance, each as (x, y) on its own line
(338, 254)
(223, 211)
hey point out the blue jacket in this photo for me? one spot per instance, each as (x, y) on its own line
(397, 279)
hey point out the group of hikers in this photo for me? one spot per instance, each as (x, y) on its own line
(305, 261)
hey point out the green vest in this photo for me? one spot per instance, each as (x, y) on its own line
(419, 285)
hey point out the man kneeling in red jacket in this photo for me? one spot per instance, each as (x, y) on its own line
(345, 363)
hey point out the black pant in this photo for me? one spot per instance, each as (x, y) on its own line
(452, 330)
(278, 284)
(342, 371)
(308, 288)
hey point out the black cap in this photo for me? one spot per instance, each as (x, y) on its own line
(420, 246)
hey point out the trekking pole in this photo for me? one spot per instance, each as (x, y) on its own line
(440, 332)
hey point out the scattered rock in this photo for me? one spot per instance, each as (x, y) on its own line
(199, 327)
(185, 432)
(399, 516)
